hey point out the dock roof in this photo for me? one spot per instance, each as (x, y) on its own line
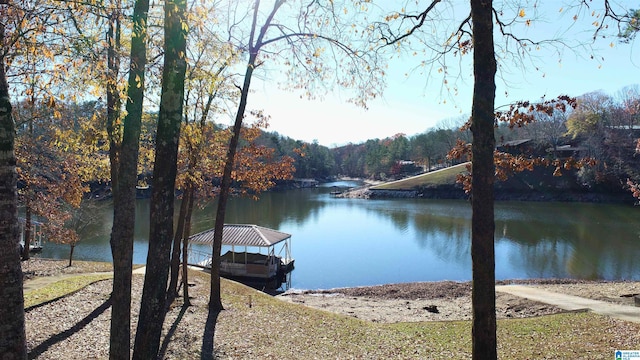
(242, 235)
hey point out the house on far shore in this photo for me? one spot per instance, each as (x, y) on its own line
(529, 147)
(516, 147)
(567, 151)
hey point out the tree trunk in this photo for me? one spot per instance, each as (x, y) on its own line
(73, 247)
(482, 193)
(152, 308)
(185, 249)
(172, 290)
(215, 298)
(113, 95)
(13, 342)
(28, 226)
(125, 159)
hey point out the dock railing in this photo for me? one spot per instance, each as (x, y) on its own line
(199, 258)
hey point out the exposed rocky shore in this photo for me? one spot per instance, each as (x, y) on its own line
(457, 193)
(448, 300)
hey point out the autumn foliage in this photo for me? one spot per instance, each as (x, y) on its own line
(201, 159)
(520, 114)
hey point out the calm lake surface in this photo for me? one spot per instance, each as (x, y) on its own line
(352, 242)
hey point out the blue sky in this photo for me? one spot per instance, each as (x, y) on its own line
(412, 104)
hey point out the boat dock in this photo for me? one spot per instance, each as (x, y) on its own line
(255, 254)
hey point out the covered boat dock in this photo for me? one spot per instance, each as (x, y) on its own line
(253, 252)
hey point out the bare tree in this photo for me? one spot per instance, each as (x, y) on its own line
(549, 128)
(317, 47)
(629, 100)
(474, 32)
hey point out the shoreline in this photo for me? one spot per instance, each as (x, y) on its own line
(77, 326)
(451, 301)
(412, 302)
(455, 193)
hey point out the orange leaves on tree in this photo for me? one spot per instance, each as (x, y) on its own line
(634, 188)
(523, 112)
(204, 148)
(506, 164)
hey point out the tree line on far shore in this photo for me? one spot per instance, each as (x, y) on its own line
(601, 126)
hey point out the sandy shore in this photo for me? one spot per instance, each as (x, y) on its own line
(446, 301)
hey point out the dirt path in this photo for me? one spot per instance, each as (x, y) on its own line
(573, 303)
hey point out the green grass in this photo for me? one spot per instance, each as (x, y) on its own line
(435, 178)
(60, 288)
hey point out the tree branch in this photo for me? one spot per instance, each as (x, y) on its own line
(421, 17)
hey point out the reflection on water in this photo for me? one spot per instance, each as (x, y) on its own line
(350, 242)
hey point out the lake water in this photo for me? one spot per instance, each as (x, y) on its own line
(352, 242)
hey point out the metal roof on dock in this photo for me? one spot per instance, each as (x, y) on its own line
(242, 235)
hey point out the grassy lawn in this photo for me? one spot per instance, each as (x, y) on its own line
(445, 176)
(255, 325)
(309, 333)
(60, 288)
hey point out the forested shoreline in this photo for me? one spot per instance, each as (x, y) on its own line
(586, 152)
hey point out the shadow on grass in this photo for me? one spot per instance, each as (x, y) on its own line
(207, 351)
(45, 345)
(172, 330)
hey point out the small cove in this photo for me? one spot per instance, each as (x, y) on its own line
(357, 242)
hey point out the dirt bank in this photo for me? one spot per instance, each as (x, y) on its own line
(439, 301)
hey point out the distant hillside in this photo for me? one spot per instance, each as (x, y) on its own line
(537, 185)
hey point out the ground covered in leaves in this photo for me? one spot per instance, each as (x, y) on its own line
(255, 325)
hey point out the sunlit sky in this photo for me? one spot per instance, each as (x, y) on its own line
(414, 102)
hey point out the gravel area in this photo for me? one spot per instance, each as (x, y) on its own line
(77, 326)
(614, 292)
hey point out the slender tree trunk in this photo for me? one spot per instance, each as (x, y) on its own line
(28, 226)
(73, 247)
(124, 190)
(215, 298)
(482, 194)
(180, 239)
(172, 290)
(113, 95)
(13, 343)
(152, 308)
(185, 248)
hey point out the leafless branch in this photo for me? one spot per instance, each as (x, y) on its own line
(390, 38)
